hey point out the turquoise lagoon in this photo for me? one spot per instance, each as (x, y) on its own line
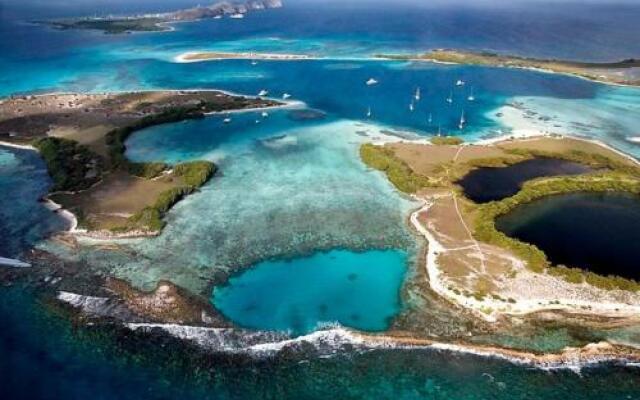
(360, 290)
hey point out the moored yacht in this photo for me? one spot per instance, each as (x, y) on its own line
(371, 82)
(471, 96)
(462, 121)
(450, 98)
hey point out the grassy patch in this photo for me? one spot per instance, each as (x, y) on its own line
(446, 140)
(397, 171)
(193, 174)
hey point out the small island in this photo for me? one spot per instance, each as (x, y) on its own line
(198, 56)
(157, 22)
(625, 72)
(81, 139)
(472, 263)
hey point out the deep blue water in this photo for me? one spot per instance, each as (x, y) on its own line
(23, 180)
(42, 357)
(597, 232)
(489, 184)
(303, 293)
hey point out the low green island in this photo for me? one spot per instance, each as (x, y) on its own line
(624, 72)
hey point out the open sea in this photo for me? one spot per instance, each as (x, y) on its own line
(293, 199)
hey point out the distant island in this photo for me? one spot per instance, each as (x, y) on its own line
(625, 72)
(157, 22)
(81, 139)
(198, 56)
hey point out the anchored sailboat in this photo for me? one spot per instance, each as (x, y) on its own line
(411, 106)
(417, 95)
(430, 119)
(263, 93)
(462, 121)
(450, 98)
(369, 112)
(371, 82)
(471, 96)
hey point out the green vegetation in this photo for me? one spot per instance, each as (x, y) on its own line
(536, 260)
(446, 140)
(147, 170)
(193, 174)
(397, 171)
(72, 166)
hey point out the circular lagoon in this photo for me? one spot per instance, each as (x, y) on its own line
(598, 232)
(358, 290)
(487, 184)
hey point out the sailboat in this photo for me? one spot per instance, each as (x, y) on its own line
(411, 106)
(371, 82)
(450, 98)
(459, 82)
(285, 96)
(265, 114)
(471, 96)
(430, 119)
(462, 121)
(417, 95)
(263, 93)
(369, 112)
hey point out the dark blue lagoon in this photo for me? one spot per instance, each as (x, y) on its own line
(597, 232)
(487, 184)
(359, 290)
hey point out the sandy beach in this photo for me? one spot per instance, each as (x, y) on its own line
(201, 56)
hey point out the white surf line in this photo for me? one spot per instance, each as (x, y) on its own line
(17, 146)
(9, 262)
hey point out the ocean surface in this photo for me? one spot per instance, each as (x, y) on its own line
(292, 192)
